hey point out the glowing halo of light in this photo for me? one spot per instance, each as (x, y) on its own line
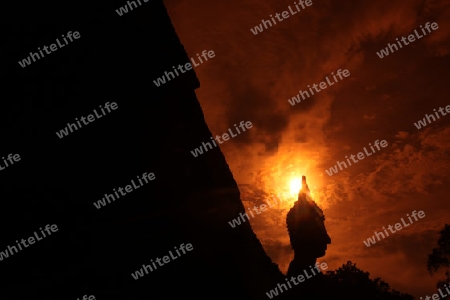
(295, 185)
(280, 174)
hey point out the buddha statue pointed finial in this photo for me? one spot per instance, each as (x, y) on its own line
(305, 188)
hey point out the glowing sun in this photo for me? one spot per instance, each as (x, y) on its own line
(295, 186)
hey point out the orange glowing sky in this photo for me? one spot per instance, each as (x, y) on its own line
(251, 78)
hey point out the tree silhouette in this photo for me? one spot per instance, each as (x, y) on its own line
(439, 257)
(349, 281)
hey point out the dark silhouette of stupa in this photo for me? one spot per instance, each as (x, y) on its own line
(153, 129)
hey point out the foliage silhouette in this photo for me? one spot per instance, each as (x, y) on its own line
(350, 282)
(439, 257)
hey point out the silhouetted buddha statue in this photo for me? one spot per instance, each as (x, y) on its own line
(307, 233)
